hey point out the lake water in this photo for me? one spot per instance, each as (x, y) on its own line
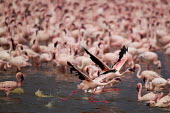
(52, 82)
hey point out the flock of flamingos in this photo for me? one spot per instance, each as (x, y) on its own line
(98, 41)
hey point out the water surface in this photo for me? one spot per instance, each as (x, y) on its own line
(52, 82)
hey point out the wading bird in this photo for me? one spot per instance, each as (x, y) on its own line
(88, 83)
(148, 96)
(8, 86)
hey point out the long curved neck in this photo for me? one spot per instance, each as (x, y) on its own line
(148, 85)
(139, 92)
(101, 51)
(158, 63)
(91, 73)
(82, 66)
(138, 73)
(19, 82)
(50, 56)
(26, 58)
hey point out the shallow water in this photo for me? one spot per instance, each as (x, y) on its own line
(53, 82)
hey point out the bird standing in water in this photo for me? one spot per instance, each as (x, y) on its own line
(8, 86)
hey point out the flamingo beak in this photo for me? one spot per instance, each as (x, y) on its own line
(22, 78)
(144, 79)
(22, 48)
(132, 69)
(137, 88)
(118, 79)
(148, 103)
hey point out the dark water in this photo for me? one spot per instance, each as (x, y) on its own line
(52, 82)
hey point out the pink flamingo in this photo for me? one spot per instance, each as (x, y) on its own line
(103, 66)
(8, 86)
(167, 52)
(157, 84)
(147, 74)
(150, 57)
(88, 83)
(148, 96)
(162, 102)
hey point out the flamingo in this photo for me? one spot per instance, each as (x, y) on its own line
(147, 74)
(167, 52)
(92, 70)
(157, 84)
(165, 39)
(150, 57)
(88, 83)
(5, 55)
(146, 97)
(103, 66)
(8, 86)
(17, 62)
(46, 57)
(162, 102)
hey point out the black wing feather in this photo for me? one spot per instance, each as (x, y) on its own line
(123, 51)
(81, 75)
(96, 60)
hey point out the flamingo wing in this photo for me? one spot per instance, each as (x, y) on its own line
(119, 64)
(97, 61)
(82, 76)
(121, 54)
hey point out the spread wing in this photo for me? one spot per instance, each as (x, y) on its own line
(81, 75)
(97, 61)
(119, 64)
(123, 51)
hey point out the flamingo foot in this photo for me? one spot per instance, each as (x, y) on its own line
(64, 99)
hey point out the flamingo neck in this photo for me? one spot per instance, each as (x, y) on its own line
(82, 66)
(90, 73)
(139, 93)
(127, 71)
(148, 85)
(158, 63)
(101, 52)
(50, 56)
(138, 73)
(19, 82)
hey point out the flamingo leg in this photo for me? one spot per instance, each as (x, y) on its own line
(115, 89)
(70, 95)
(91, 98)
(148, 66)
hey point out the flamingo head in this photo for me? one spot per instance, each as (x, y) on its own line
(55, 44)
(138, 86)
(144, 79)
(20, 76)
(151, 103)
(132, 69)
(118, 79)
